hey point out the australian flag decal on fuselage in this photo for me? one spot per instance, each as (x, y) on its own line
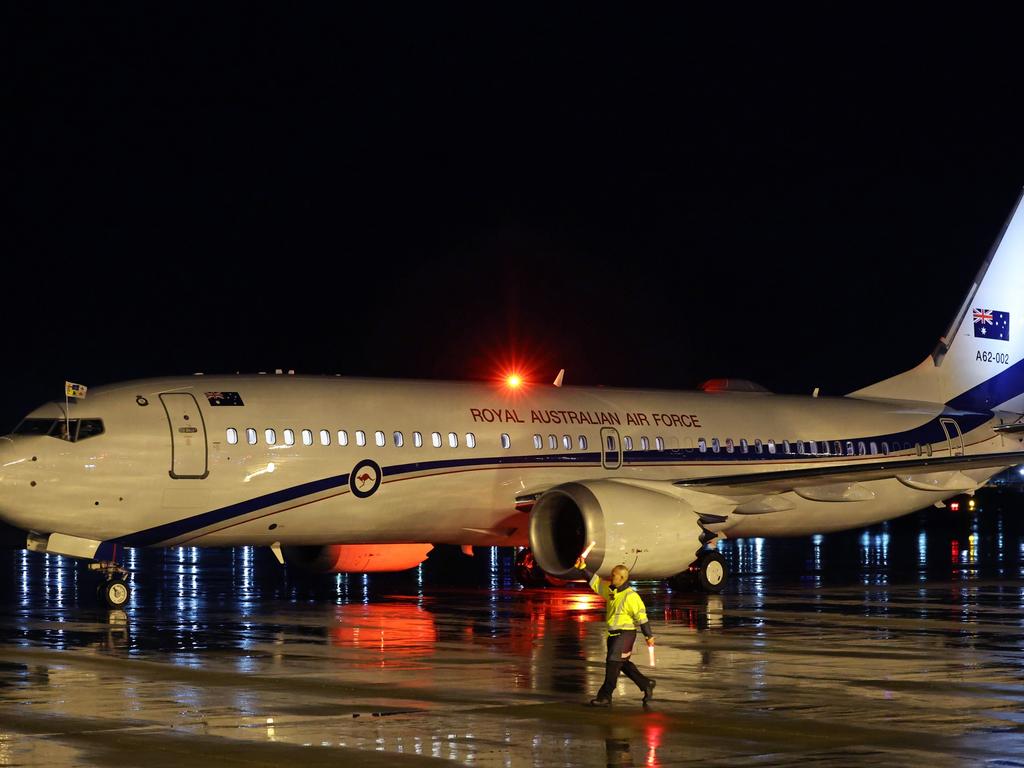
(224, 398)
(992, 324)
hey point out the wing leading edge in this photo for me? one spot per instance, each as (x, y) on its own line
(934, 473)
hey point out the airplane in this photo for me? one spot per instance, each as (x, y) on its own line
(342, 474)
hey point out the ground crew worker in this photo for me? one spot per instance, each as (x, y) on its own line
(626, 613)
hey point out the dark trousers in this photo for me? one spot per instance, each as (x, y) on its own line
(620, 648)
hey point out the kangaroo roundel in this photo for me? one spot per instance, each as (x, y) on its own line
(365, 478)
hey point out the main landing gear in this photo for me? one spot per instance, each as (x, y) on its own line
(113, 591)
(707, 574)
(529, 574)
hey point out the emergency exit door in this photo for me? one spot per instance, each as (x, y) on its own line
(611, 449)
(188, 436)
(954, 438)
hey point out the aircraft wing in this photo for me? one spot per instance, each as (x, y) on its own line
(935, 473)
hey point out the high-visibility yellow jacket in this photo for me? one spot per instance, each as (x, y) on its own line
(626, 609)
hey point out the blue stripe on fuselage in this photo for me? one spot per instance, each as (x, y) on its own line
(1004, 386)
(929, 433)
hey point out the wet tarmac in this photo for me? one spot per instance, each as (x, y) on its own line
(898, 645)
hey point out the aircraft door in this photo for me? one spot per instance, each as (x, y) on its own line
(954, 438)
(611, 453)
(188, 436)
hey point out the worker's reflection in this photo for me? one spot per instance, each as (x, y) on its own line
(617, 746)
(623, 736)
(555, 641)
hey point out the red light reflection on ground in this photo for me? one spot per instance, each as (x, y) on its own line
(397, 631)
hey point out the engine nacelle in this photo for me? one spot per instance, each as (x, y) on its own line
(357, 558)
(654, 534)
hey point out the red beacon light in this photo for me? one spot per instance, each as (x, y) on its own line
(513, 381)
(954, 506)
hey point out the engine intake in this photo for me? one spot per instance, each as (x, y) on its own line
(654, 534)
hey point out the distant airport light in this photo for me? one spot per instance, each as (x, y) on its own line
(970, 505)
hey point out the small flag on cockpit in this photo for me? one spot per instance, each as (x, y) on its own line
(74, 390)
(224, 398)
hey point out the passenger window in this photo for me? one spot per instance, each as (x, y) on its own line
(470, 440)
(885, 449)
(360, 438)
(659, 443)
(928, 449)
(342, 437)
(307, 437)
(271, 436)
(800, 447)
(744, 446)
(771, 447)
(506, 441)
(715, 445)
(583, 442)
(758, 445)
(552, 442)
(861, 448)
(289, 437)
(378, 438)
(873, 447)
(435, 439)
(729, 446)
(702, 445)
(627, 443)
(917, 447)
(645, 444)
(837, 448)
(232, 436)
(566, 442)
(849, 448)
(325, 437)
(399, 439)
(538, 442)
(786, 448)
(417, 439)
(250, 436)
(453, 440)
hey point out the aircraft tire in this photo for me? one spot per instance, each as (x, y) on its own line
(114, 593)
(530, 575)
(711, 572)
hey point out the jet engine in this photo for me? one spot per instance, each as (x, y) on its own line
(653, 533)
(357, 558)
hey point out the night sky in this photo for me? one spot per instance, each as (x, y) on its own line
(434, 190)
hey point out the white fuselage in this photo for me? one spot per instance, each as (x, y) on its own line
(155, 477)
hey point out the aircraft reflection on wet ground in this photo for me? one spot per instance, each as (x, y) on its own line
(899, 644)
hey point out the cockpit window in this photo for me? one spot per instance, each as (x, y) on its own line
(73, 430)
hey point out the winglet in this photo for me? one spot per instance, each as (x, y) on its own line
(276, 549)
(558, 378)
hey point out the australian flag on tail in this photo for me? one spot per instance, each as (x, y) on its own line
(992, 324)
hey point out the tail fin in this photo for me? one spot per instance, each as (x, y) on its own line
(979, 363)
